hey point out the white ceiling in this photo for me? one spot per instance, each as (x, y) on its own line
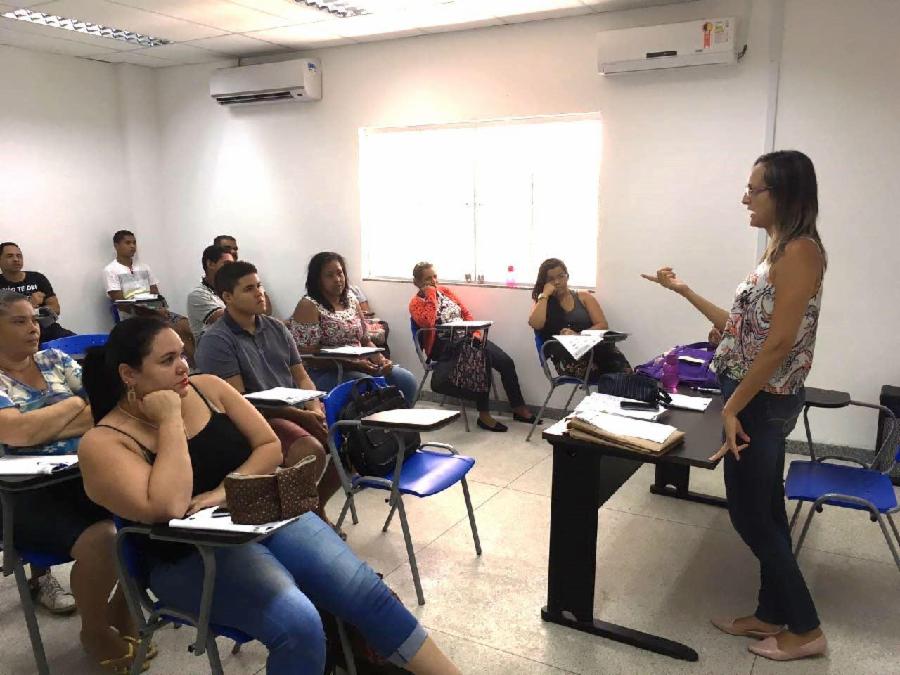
(210, 30)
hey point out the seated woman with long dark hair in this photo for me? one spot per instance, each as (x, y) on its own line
(558, 310)
(329, 316)
(162, 447)
(43, 412)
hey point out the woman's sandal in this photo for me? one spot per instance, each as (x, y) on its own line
(122, 665)
(152, 651)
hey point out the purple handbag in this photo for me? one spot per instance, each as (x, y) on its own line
(694, 362)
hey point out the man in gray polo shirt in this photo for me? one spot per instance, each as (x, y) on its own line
(204, 306)
(254, 352)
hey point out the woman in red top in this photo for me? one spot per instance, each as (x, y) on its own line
(434, 305)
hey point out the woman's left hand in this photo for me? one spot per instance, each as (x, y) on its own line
(206, 499)
(736, 439)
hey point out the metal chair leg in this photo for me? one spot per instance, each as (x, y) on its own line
(390, 517)
(890, 519)
(419, 389)
(462, 409)
(349, 661)
(34, 631)
(471, 511)
(812, 512)
(411, 554)
(137, 664)
(569, 400)
(348, 506)
(795, 515)
(540, 413)
(212, 653)
(890, 542)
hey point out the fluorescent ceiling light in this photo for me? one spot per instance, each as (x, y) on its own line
(85, 27)
(337, 7)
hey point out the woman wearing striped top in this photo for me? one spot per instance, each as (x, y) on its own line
(768, 339)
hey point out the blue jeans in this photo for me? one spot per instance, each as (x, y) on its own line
(270, 591)
(755, 490)
(326, 380)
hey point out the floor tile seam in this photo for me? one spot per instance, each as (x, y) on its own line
(527, 492)
(464, 518)
(499, 649)
(541, 460)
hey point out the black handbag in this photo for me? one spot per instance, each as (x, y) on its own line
(634, 386)
(373, 452)
(471, 367)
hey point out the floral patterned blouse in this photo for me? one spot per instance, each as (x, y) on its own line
(336, 328)
(748, 327)
(63, 376)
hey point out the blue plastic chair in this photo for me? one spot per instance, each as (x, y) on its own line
(557, 380)
(14, 562)
(133, 576)
(867, 487)
(77, 345)
(428, 367)
(423, 474)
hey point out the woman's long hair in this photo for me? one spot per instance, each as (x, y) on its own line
(791, 179)
(129, 342)
(541, 281)
(314, 278)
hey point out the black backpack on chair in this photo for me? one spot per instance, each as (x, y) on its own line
(373, 452)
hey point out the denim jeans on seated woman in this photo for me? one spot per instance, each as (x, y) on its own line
(326, 380)
(270, 590)
(754, 486)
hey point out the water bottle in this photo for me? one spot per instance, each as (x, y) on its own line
(511, 276)
(670, 372)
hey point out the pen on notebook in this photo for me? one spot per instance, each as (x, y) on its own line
(707, 390)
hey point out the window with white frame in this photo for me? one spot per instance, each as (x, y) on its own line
(477, 198)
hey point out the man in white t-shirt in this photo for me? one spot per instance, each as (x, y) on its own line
(126, 279)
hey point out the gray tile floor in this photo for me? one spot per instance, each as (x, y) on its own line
(663, 566)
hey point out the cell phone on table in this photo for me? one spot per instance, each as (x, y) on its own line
(636, 405)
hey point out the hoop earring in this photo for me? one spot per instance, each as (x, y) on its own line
(130, 395)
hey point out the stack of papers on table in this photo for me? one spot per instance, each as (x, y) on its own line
(623, 432)
(285, 395)
(35, 465)
(697, 403)
(216, 520)
(349, 351)
(612, 405)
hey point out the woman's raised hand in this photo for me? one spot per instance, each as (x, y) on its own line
(160, 406)
(549, 289)
(666, 277)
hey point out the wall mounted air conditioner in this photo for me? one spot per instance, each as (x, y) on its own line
(296, 80)
(673, 45)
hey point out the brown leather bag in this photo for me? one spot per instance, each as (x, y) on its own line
(287, 493)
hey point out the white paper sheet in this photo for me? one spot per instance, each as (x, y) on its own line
(206, 519)
(287, 395)
(625, 426)
(350, 351)
(698, 403)
(612, 405)
(466, 324)
(578, 345)
(35, 465)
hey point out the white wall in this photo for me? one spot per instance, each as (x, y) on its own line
(839, 102)
(678, 147)
(75, 168)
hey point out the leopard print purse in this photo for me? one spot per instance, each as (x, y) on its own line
(287, 493)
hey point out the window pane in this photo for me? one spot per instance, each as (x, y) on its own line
(477, 199)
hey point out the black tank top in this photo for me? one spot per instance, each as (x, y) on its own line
(558, 318)
(215, 451)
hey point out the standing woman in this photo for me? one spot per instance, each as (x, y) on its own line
(766, 351)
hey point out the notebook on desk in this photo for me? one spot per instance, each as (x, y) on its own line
(35, 465)
(284, 396)
(216, 519)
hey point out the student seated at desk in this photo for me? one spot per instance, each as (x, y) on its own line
(434, 305)
(329, 316)
(162, 447)
(43, 412)
(254, 352)
(125, 278)
(377, 329)
(34, 286)
(204, 305)
(559, 310)
(229, 244)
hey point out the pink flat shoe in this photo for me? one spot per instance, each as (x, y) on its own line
(768, 648)
(727, 626)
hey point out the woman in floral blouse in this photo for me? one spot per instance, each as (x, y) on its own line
(329, 316)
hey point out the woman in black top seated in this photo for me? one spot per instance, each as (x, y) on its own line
(558, 310)
(162, 447)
